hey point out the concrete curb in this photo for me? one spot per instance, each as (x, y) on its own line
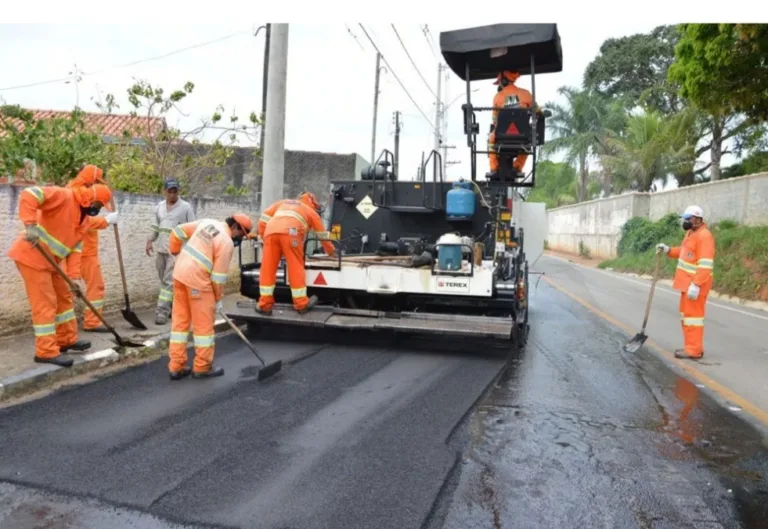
(32, 379)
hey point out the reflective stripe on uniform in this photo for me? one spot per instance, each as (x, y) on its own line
(693, 322)
(64, 317)
(57, 247)
(200, 258)
(45, 329)
(37, 193)
(97, 303)
(706, 263)
(264, 218)
(204, 341)
(217, 277)
(165, 295)
(686, 267)
(292, 214)
(299, 292)
(179, 336)
(79, 247)
(158, 229)
(323, 234)
(181, 234)
(267, 290)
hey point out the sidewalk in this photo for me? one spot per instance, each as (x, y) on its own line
(19, 372)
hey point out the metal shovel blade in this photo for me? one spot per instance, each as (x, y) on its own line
(270, 370)
(133, 319)
(636, 343)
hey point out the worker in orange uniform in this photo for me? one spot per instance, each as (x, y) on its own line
(693, 278)
(85, 264)
(509, 95)
(204, 249)
(55, 218)
(283, 226)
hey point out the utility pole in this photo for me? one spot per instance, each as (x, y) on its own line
(423, 170)
(397, 141)
(438, 104)
(264, 77)
(375, 106)
(274, 156)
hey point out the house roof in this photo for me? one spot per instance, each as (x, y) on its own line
(110, 125)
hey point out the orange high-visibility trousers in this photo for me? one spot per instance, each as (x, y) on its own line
(692, 319)
(53, 315)
(192, 309)
(493, 158)
(94, 289)
(275, 246)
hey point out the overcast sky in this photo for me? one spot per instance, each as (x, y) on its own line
(330, 77)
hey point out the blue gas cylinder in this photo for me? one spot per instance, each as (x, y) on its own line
(460, 201)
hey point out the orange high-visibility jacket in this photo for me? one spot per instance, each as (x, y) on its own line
(90, 246)
(204, 250)
(57, 214)
(695, 259)
(500, 100)
(293, 217)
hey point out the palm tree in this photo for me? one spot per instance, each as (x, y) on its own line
(581, 127)
(652, 148)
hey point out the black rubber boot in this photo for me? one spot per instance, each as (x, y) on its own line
(312, 302)
(682, 354)
(161, 319)
(262, 311)
(79, 346)
(100, 329)
(178, 375)
(56, 360)
(212, 372)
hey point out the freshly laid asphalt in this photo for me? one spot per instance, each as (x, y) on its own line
(572, 433)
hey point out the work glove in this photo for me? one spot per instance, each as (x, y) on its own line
(112, 218)
(693, 292)
(32, 233)
(662, 248)
(219, 306)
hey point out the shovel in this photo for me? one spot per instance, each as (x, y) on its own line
(74, 288)
(128, 314)
(633, 345)
(266, 371)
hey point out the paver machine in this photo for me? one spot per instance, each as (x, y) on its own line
(428, 256)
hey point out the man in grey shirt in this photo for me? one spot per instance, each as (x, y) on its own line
(168, 214)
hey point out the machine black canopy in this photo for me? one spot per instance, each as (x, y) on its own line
(490, 49)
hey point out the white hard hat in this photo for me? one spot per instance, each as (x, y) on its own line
(693, 211)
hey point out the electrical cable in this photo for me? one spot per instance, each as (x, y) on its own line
(412, 62)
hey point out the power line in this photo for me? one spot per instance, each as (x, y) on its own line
(430, 41)
(413, 63)
(354, 36)
(396, 77)
(133, 63)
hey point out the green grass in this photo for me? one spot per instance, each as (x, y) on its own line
(741, 254)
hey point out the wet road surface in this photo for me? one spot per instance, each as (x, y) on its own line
(573, 434)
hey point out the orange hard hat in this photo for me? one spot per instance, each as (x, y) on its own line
(87, 176)
(508, 75)
(310, 200)
(86, 196)
(244, 221)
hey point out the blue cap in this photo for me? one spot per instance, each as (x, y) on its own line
(172, 182)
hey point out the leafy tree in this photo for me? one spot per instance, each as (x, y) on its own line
(556, 184)
(580, 127)
(634, 69)
(723, 68)
(756, 162)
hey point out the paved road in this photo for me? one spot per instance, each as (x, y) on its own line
(572, 434)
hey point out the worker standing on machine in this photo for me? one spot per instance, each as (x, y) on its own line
(693, 278)
(283, 227)
(508, 95)
(204, 249)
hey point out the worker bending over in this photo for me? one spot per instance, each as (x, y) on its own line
(169, 213)
(56, 218)
(204, 249)
(283, 227)
(85, 264)
(509, 95)
(693, 278)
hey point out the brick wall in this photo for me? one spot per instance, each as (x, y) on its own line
(136, 217)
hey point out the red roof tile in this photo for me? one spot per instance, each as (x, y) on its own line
(104, 124)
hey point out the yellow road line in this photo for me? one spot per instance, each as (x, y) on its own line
(752, 409)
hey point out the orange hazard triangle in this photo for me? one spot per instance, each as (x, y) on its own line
(512, 129)
(320, 280)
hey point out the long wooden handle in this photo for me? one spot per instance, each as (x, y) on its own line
(242, 336)
(120, 255)
(653, 287)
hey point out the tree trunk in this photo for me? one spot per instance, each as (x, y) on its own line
(583, 173)
(717, 147)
